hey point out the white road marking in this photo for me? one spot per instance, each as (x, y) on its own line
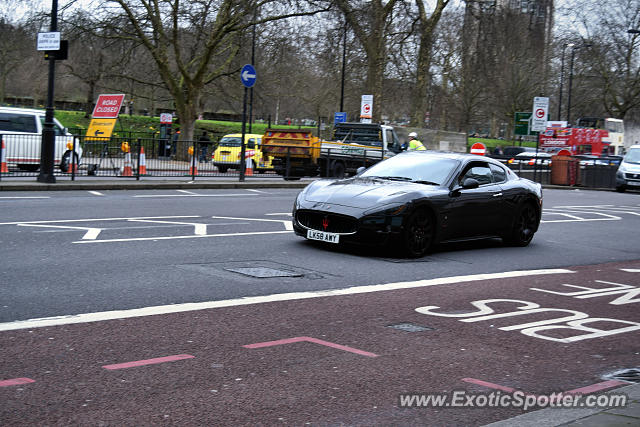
(25, 197)
(98, 219)
(288, 225)
(193, 195)
(575, 218)
(630, 270)
(96, 193)
(188, 192)
(292, 296)
(257, 191)
(91, 234)
(199, 228)
(142, 239)
(279, 213)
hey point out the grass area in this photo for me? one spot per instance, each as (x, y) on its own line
(493, 143)
(76, 120)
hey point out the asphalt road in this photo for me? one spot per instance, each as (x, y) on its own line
(318, 343)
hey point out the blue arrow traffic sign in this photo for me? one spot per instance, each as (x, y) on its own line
(248, 75)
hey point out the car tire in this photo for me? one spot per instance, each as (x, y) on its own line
(620, 189)
(66, 158)
(223, 169)
(524, 225)
(418, 233)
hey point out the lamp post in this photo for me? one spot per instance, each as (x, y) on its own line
(344, 61)
(48, 132)
(573, 54)
(564, 47)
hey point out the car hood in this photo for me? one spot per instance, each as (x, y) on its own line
(361, 192)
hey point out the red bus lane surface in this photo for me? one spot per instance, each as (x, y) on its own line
(330, 357)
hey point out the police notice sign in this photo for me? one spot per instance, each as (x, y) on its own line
(108, 106)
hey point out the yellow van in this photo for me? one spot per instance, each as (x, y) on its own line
(227, 155)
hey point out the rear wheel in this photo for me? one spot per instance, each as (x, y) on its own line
(28, 167)
(524, 226)
(223, 169)
(418, 233)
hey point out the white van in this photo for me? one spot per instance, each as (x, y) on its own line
(21, 131)
(628, 175)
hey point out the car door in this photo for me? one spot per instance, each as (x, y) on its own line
(477, 211)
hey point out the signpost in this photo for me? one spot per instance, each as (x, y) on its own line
(248, 77)
(339, 118)
(366, 109)
(539, 122)
(478, 148)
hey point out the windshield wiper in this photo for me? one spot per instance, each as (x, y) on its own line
(420, 181)
(395, 178)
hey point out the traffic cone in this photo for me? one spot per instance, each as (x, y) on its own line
(3, 159)
(127, 170)
(71, 166)
(193, 169)
(143, 162)
(249, 170)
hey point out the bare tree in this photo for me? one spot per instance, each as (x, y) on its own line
(191, 43)
(370, 22)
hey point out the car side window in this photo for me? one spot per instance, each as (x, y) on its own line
(252, 143)
(499, 174)
(18, 123)
(479, 172)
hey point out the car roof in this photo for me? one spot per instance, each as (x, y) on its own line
(22, 110)
(246, 135)
(450, 155)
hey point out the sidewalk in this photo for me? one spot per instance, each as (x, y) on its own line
(551, 417)
(147, 183)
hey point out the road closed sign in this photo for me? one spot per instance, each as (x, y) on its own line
(108, 106)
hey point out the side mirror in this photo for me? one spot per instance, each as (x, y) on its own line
(470, 183)
(360, 170)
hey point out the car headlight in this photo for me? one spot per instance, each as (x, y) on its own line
(388, 210)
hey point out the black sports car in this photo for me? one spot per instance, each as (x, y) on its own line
(419, 198)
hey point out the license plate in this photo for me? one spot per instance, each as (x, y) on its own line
(633, 183)
(322, 236)
(224, 157)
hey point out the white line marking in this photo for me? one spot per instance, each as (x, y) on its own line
(193, 195)
(199, 228)
(257, 191)
(188, 192)
(630, 270)
(279, 213)
(142, 239)
(91, 234)
(96, 193)
(288, 225)
(25, 197)
(98, 219)
(181, 308)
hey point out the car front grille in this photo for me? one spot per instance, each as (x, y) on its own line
(325, 221)
(632, 176)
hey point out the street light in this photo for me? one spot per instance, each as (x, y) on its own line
(344, 61)
(564, 47)
(573, 54)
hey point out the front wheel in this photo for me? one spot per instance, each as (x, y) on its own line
(620, 189)
(223, 169)
(524, 226)
(418, 233)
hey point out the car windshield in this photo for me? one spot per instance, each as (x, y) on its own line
(230, 141)
(418, 168)
(633, 156)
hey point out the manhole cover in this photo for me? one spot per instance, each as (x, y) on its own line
(264, 272)
(631, 375)
(410, 327)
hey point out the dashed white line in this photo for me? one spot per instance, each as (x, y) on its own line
(24, 197)
(96, 193)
